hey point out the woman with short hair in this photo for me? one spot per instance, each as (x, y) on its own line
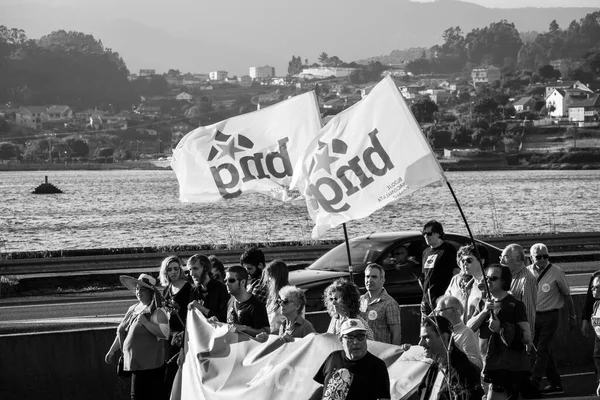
(291, 302)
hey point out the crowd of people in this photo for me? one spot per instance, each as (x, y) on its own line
(486, 328)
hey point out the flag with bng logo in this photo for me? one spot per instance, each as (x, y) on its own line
(365, 158)
(248, 153)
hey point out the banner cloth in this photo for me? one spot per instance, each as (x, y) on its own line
(364, 158)
(252, 152)
(225, 365)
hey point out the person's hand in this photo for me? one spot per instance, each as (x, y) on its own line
(195, 304)
(236, 328)
(572, 323)
(405, 346)
(109, 357)
(491, 305)
(586, 328)
(529, 348)
(286, 338)
(177, 339)
(213, 320)
(262, 337)
(494, 325)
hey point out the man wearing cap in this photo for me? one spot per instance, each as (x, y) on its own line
(378, 308)
(353, 373)
(553, 291)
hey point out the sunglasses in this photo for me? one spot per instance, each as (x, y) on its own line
(442, 309)
(358, 338)
(283, 301)
(467, 260)
(540, 256)
(427, 233)
(231, 280)
(492, 278)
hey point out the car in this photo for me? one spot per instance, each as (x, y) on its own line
(401, 279)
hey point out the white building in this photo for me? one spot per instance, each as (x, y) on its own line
(324, 72)
(261, 72)
(217, 75)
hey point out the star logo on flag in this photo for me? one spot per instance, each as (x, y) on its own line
(225, 145)
(323, 159)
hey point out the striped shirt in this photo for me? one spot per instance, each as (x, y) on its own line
(552, 288)
(524, 287)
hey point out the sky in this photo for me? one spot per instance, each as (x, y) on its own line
(233, 35)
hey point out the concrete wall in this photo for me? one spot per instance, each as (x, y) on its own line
(70, 365)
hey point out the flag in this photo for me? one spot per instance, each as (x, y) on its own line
(224, 365)
(252, 152)
(365, 157)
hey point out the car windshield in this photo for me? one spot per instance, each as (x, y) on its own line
(362, 252)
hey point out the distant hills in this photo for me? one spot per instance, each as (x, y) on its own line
(200, 39)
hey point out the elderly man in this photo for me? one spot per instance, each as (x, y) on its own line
(553, 292)
(436, 339)
(378, 308)
(439, 265)
(353, 373)
(524, 285)
(465, 339)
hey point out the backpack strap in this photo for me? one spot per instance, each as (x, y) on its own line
(544, 272)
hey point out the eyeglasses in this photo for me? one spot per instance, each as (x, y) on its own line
(355, 338)
(492, 278)
(439, 311)
(283, 301)
(540, 256)
(427, 233)
(467, 260)
(231, 280)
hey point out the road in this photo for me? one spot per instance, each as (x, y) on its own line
(19, 315)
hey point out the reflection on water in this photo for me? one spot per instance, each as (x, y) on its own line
(141, 208)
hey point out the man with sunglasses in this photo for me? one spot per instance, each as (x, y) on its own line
(553, 292)
(245, 312)
(353, 373)
(439, 265)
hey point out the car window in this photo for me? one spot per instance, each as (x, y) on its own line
(402, 253)
(361, 251)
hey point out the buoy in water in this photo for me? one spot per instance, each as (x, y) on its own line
(46, 188)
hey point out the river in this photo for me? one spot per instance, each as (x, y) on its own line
(102, 209)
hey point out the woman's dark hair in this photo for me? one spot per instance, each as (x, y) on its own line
(349, 296)
(216, 263)
(274, 277)
(505, 275)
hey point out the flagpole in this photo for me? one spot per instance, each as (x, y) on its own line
(487, 288)
(350, 270)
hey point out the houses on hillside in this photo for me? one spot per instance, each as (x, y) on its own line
(34, 116)
(488, 74)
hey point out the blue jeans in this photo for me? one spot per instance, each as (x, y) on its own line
(546, 325)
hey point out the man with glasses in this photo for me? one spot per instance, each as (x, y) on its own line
(439, 265)
(245, 313)
(353, 373)
(449, 364)
(465, 339)
(553, 292)
(379, 309)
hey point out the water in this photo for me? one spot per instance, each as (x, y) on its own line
(141, 208)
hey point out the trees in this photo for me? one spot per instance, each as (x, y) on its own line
(496, 42)
(548, 72)
(9, 150)
(295, 65)
(323, 57)
(424, 109)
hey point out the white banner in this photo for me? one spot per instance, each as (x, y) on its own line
(253, 152)
(222, 365)
(365, 157)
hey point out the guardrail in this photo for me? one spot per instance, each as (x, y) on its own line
(562, 247)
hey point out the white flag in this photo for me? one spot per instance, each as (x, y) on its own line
(365, 157)
(253, 152)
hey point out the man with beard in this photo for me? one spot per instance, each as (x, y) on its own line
(353, 373)
(209, 296)
(253, 260)
(439, 265)
(452, 372)
(245, 313)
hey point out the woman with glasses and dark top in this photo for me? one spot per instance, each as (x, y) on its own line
(506, 361)
(291, 302)
(467, 286)
(176, 293)
(275, 276)
(342, 300)
(439, 266)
